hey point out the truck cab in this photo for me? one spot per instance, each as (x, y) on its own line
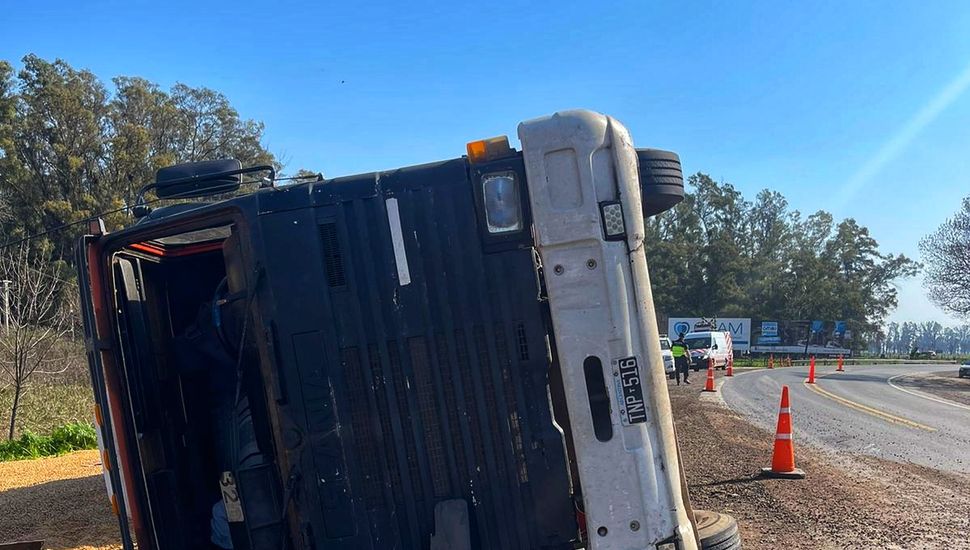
(462, 354)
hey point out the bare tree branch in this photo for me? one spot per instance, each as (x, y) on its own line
(946, 253)
(38, 319)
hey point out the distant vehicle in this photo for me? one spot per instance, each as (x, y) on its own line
(668, 356)
(709, 345)
(964, 370)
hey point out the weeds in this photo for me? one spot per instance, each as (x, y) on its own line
(75, 436)
(48, 404)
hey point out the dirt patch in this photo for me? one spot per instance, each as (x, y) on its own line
(60, 500)
(845, 502)
(943, 385)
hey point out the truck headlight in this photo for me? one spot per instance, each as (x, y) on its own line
(503, 208)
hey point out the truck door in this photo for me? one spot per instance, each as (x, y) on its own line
(97, 338)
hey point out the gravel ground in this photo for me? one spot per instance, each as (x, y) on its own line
(944, 385)
(846, 501)
(60, 500)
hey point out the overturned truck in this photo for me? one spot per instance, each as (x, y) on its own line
(457, 355)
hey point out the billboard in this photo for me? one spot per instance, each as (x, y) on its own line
(740, 329)
(815, 337)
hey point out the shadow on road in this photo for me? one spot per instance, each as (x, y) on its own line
(66, 513)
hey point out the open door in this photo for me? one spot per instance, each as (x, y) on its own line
(91, 289)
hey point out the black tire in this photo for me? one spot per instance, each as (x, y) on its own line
(717, 531)
(661, 180)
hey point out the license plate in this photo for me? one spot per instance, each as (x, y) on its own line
(630, 391)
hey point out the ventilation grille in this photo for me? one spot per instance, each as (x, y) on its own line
(428, 410)
(332, 259)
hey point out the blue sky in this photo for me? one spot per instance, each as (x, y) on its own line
(853, 107)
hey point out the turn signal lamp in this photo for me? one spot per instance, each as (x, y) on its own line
(489, 149)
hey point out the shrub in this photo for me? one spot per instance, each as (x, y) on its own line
(75, 436)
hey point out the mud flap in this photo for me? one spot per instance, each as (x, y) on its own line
(451, 526)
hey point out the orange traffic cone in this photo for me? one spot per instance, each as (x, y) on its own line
(840, 369)
(730, 366)
(771, 361)
(709, 386)
(811, 370)
(783, 454)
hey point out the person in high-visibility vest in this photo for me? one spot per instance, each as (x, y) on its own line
(681, 353)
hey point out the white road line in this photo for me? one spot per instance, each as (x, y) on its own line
(923, 395)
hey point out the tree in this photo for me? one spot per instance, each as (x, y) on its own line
(71, 148)
(38, 317)
(946, 253)
(717, 254)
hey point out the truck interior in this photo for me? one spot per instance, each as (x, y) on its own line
(189, 367)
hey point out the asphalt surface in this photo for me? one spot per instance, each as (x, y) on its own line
(869, 410)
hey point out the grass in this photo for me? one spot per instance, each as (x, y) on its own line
(48, 405)
(75, 436)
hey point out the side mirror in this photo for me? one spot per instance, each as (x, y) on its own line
(714, 346)
(661, 180)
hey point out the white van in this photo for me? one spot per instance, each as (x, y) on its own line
(709, 345)
(667, 355)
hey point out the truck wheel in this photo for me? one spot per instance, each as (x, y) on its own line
(661, 180)
(717, 531)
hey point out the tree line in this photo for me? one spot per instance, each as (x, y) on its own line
(903, 338)
(718, 253)
(72, 147)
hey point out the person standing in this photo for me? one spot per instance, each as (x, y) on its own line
(681, 352)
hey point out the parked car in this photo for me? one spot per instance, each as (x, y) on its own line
(668, 356)
(964, 370)
(709, 345)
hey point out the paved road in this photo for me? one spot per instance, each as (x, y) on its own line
(863, 410)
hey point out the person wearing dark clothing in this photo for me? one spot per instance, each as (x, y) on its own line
(681, 353)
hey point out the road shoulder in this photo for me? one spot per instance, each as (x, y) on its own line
(846, 501)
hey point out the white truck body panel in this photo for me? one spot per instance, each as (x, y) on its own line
(601, 305)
